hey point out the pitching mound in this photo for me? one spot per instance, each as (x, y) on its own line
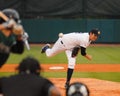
(96, 87)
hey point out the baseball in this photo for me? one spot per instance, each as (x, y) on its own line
(60, 35)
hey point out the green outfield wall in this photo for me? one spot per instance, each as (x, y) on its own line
(47, 30)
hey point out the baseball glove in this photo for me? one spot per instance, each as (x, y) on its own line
(75, 51)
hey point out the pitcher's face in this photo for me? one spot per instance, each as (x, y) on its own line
(93, 37)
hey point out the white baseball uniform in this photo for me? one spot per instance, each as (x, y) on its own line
(66, 43)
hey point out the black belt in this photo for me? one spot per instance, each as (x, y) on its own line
(61, 42)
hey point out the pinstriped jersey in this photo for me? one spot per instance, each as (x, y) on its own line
(71, 40)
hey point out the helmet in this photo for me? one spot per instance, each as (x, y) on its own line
(29, 65)
(12, 14)
(77, 89)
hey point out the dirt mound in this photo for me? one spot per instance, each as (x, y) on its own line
(97, 87)
(78, 67)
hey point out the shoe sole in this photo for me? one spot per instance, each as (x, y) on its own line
(44, 47)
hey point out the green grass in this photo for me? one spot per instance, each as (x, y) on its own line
(110, 76)
(98, 75)
(100, 54)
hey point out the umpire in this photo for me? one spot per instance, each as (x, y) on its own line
(28, 81)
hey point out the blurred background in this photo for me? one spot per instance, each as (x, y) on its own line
(43, 20)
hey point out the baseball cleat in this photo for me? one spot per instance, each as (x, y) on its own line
(44, 48)
(67, 85)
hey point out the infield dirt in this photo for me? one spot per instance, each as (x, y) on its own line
(97, 87)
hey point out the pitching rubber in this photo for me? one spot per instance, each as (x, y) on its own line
(56, 68)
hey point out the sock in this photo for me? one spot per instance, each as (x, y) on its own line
(69, 74)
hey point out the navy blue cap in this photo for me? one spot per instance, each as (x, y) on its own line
(95, 31)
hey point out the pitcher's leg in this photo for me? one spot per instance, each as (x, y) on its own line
(71, 65)
(57, 48)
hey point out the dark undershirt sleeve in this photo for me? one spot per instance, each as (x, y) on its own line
(83, 51)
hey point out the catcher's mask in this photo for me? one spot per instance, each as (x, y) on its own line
(77, 89)
(11, 14)
(29, 65)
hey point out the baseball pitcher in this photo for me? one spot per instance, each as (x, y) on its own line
(71, 43)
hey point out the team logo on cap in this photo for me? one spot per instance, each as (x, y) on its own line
(98, 32)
